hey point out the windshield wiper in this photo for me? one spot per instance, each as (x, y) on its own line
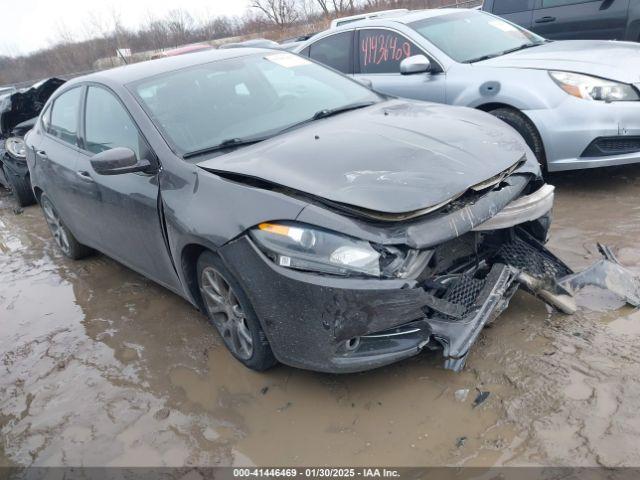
(240, 142)
(504, 52)
(521, 47)
(328, 112)
(229, 143)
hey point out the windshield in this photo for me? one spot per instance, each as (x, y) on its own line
(473, 36)
(244, 98)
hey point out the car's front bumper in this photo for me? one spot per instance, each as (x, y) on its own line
(341, 325)
(15, 167)
(569, 129)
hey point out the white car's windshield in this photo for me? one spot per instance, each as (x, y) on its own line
(245, 99)
(472, 36)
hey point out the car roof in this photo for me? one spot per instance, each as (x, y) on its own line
(415, 15)
(139, 71)
(404, 18)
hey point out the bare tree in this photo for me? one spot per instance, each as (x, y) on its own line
(324, 6)
(179, 23)
(156, 32)
(341, 7)
(281, 12)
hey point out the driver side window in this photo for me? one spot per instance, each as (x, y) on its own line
(381, 51)
(108, 125)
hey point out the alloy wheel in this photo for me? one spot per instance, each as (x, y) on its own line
(227, 314)
(56, 226)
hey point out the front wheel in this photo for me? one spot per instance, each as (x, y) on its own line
(526, 129)
(61, 233)
(230, 311)
(20, 187)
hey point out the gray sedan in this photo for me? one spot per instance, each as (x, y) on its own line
(298, 209)
(574, 102)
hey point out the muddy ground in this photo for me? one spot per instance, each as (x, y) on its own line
(100, 366)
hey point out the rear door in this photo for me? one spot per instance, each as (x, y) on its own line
(57, 154)
(124, 208)
(580, 20)
(519, 12)
(378, 56)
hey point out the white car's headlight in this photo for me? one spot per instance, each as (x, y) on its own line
(302, 247)
(16, 147)
(594, 88)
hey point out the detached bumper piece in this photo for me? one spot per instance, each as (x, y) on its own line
(523, 261)
(483, 300)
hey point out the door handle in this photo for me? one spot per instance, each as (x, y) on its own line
(42, 154)
(546, 20)
(84, 176)
(606, 4)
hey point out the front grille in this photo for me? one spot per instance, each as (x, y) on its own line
(525, 257)
(465, 291)
(607, 146)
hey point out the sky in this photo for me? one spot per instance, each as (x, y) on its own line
(35, 24)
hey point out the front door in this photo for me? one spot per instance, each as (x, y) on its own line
(378, 56)
(124, 208)
(580, 20)
(519, 12)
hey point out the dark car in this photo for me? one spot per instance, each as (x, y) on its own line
(18, 113)
(314, 221)
(573, 19)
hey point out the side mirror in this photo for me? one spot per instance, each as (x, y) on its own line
(117, 161)
(415, 64)
(366, 82)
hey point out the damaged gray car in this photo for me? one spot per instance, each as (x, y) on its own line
(314, 222)
(19, 110)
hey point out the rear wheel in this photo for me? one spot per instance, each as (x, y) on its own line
(61, 233)
(230, 311)
(21, 188)
(526, 128)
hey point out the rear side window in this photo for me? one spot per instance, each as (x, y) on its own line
(108, 125)
(502, 7)
(381, 51)
(64, 116)
(334, 51)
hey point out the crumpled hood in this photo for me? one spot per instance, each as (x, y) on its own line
(394, 157)
(25, 104)
(618, 61)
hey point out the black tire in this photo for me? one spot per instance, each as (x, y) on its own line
(526, 128)
(65, 240)
(20, 187)
(230, 311)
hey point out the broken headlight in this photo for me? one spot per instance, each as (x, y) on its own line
(594, 88)
(301, 247)
(16, 147)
